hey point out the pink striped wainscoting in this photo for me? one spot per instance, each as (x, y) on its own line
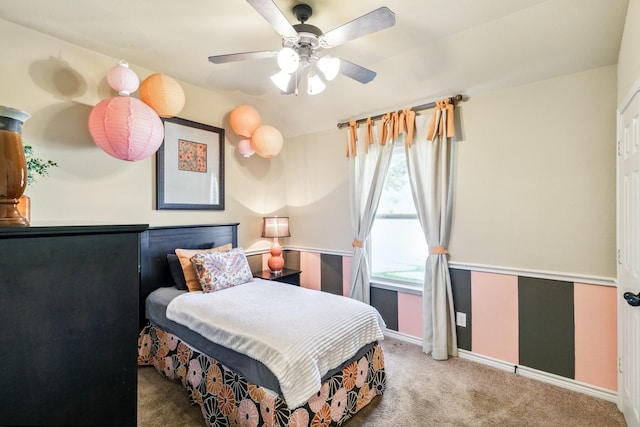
(311, 270)
(595, 313)
(494, 304)
(410, 314)
(347, 266)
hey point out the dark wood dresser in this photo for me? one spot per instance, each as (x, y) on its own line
(69, 325)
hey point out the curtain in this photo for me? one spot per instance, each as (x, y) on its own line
(430, 169)
(369, 155)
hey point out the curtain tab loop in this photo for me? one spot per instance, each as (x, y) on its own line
(438, 250)
(369, 135)
(410, 125)
(357, 243)
(353, 135)
(384, 128)
(395, 125)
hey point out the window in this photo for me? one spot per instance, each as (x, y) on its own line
(398, 246)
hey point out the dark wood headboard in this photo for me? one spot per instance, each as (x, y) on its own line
(157, 242)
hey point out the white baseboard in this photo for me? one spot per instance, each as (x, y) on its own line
(557, 380)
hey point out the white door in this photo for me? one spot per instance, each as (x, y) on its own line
(628, 219)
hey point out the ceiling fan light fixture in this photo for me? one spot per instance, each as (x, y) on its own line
(330, 66)
(315, 85)
(288, 60)
(281, 80)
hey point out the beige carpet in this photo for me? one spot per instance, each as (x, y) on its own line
(421, 392)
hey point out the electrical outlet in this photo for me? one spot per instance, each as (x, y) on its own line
(461, 319)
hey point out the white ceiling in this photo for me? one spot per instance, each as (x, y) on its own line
(437, 47)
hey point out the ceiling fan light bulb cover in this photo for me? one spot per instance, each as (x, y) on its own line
(330, 66)
(315, 85)
(288, 60)
(281, 80)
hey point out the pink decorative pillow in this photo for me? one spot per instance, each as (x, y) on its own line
(220, 270)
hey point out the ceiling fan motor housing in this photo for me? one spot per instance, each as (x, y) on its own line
(302, 12)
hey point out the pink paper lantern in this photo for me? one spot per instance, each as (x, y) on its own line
(244, 147)
(122, 79)
(244, 120)
(126, 128)
(267, 141)
(162, 93)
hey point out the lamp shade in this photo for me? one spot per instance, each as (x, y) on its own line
(267, 141)
(244, 147)
(162, 93)
(126, 128)
(122, 79)
(275, 226)
(244, 120)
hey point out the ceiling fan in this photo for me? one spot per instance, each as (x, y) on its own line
(302, 44)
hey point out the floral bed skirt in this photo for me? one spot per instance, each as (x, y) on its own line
(226, 398)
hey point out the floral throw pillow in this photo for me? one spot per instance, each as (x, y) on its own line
(221, 270)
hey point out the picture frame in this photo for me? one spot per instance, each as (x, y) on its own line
(190, 166)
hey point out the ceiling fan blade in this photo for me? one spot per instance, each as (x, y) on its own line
(356, 72)
(273, 15)
(235, 57)
(376, 20)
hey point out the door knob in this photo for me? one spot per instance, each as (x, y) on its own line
(632, 299)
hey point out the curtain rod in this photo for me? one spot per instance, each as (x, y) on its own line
(453, 99)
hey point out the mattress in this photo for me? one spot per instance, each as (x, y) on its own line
(252, 370)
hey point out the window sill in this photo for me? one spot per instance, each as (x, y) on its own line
(396, 286)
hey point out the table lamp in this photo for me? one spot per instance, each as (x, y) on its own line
(275, 227)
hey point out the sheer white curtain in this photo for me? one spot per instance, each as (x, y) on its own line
(369, 156)
(430, 168)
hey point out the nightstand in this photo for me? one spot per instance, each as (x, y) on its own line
(288, 275)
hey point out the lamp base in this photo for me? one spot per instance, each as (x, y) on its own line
(275, 262)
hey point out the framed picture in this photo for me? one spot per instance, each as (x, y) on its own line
(190, 166)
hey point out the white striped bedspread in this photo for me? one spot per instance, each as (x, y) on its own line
(299, 334)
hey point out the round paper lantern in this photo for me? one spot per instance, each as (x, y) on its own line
(267, 141)
(244, 147)
(244, 120)
(122, 79)
(162, 93)
(126, 128)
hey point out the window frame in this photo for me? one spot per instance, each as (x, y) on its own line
(410, 286)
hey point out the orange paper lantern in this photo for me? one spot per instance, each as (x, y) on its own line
(244, 120)
(267, 141)
(126, 128)
(162, 93)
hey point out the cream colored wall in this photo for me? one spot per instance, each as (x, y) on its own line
(318, 191)
(535, 182)
(629, 55)
(58, 84)
(535, 186)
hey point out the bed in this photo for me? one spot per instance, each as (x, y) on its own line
(236, 383)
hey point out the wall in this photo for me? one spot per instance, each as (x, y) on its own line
(58, 84)
(535, 188)
(628, 58)
(535, 172)
(318, 191)
(533, 242)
